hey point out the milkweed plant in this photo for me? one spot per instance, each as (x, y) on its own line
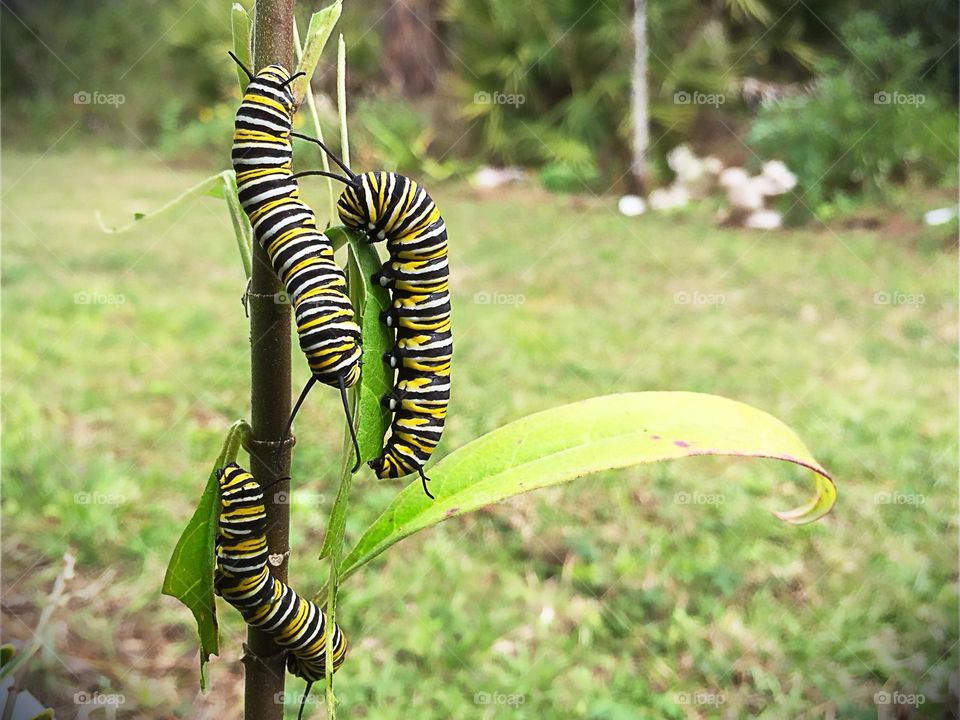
(541, 450)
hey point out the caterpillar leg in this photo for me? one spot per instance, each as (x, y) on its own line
(245, 299)
(423, 481)
(384, 276)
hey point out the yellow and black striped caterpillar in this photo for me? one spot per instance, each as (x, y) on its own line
(301, 255)
(391, 207)
(243, 579)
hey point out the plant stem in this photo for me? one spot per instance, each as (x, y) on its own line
(270, 394)
(317, 130)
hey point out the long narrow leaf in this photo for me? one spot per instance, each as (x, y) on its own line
(242, 230)
(318, 32)
(212, 185)
(315, 116)
(242, 41)
(189, 576)
(571, 441)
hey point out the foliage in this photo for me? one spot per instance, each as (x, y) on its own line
(617, 573)
(870, 121)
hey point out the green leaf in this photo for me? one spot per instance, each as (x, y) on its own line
(571, 441)
(189, 576)
(315, 116)
(242, 36)
(370, 418)
(318, 32)
(242, 230)
(202, 188)
(369, 300)
(6, 654)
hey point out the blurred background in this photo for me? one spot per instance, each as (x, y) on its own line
(753, 198)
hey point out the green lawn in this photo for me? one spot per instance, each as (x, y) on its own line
(125, 358)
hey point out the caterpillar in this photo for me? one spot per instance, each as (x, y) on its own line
(242, 578)
(301, 255)
(388, 206)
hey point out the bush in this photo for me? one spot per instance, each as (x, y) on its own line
(870, 121)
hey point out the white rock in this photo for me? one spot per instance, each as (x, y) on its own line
(733, 176)
(632, 205)
(940, 216)
(780, 178)
(764, 220)
(712, 165)
(669, 198)
(487, 178)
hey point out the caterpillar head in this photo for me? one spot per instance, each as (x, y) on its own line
(273, 82)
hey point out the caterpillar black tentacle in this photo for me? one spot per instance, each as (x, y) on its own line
(301, 255)
(244, 580)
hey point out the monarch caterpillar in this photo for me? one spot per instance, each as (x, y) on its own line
(301, 255)
(392, 207)
(243, 580)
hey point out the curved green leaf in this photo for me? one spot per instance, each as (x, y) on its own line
(242, 29)
(369, 300)
(189, 576)
(213, 186)
(571, 441)
(318, 32)
(370, 418)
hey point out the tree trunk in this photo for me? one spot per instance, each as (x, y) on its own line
(412, 50)
(639, 168)
(270, 395)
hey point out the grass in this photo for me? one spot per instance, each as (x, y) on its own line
(605, 599)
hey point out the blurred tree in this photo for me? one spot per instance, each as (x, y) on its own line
(641, 115)
(411, 46)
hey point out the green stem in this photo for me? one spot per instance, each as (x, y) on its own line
(270, 395)
(317, 130)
